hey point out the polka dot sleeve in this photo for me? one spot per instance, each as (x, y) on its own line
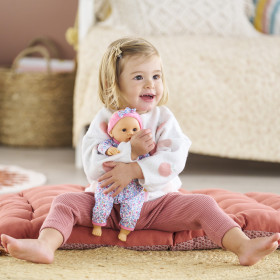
(170, 155)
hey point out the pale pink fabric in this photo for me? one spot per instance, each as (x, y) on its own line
(173, 212)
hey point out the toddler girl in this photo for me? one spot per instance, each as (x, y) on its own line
(122, 126)
(131, 75)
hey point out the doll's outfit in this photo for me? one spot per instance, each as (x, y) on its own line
(131, 198)
(166, 209)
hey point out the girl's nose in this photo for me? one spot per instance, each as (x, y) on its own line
(149, 84)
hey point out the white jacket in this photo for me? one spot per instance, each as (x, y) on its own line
(160, 170)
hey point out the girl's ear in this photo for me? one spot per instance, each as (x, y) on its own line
(111, 134)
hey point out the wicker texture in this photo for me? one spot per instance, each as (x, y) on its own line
(36, 109)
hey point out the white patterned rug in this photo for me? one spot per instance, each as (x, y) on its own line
(14, 179)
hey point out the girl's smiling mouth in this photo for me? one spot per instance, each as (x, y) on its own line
(147, 97)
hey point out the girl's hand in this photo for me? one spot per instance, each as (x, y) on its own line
(141, 143)
(119, 176)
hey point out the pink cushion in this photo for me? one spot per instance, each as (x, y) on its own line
(22, 214)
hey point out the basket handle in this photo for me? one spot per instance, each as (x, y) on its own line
(46, 42)
(37, 49)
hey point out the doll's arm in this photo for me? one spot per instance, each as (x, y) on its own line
(112, 151)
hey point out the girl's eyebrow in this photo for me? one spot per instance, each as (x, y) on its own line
(137, 72)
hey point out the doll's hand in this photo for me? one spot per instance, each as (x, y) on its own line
(141, 143)
(120, 175)
(112, 151)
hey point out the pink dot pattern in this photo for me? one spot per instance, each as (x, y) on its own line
(160, 126)
(164, 143)
(165, 169)
(103, 127)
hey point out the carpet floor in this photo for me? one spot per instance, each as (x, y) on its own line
(117, 263)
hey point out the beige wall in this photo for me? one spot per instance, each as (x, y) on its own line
(23, 20)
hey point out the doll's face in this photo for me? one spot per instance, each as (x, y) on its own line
(125, 129)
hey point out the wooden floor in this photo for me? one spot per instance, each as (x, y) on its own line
(200, 172)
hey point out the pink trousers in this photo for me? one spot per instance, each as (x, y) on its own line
(172, 212)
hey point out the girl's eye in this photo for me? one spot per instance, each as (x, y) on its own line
(156, 77)
(134, 129)
(138, 77)
(124, 130)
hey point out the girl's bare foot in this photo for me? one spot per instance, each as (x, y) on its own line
(33, 250)
(249, 251)
(257, 249)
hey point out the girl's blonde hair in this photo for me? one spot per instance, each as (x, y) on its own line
(111, 68)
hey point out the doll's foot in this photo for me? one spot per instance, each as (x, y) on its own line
(97, 231)
(123, 235)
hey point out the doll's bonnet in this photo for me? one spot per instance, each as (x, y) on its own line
(127, 112)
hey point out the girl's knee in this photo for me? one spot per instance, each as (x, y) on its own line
(205, 200)
(63, 198)
(203, 203)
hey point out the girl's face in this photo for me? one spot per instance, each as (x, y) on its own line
(140, 82)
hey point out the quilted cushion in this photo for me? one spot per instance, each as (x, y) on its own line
(22, 214)
(199, 17)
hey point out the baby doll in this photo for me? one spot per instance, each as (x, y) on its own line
(122, 126)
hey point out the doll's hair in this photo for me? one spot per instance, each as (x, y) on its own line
(111, 68)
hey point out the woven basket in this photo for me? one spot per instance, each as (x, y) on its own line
(36, 109)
